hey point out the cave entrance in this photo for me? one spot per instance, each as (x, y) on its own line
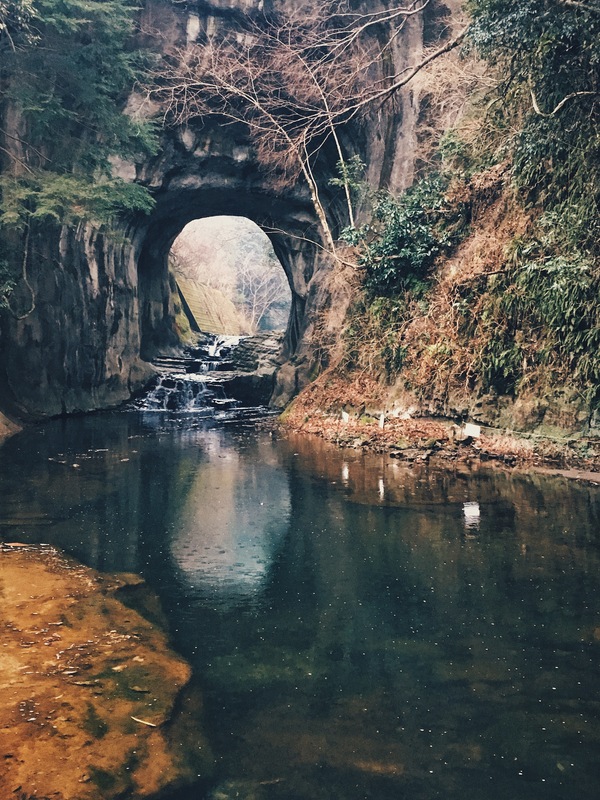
(228, 279)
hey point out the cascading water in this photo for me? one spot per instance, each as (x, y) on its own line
(222, 343)
(176, 392)
(230, 377)
(181, 384)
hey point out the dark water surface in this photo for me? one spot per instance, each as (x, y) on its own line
(359, 629)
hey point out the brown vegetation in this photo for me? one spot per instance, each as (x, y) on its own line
(347, 412)
(441, 359)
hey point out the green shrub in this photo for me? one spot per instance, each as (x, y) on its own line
(373, 336)
(546, 105)
(542, 317)
(406, 235)
(67, 69)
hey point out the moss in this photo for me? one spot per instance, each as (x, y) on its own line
(141, 599)
(249, 671)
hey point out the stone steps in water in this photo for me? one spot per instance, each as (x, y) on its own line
(218, 374)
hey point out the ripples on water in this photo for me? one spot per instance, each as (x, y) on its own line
(359, 629)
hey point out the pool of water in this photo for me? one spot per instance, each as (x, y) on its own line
(358, 629)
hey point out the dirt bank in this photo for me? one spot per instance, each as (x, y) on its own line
(343, 413)
(88, 687)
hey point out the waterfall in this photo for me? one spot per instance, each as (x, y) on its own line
(181, 384)
(228, 377)
(221, 343)
(173, 392)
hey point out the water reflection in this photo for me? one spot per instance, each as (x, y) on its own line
(158, 485)
(472, 515)
(229, 527)
(359, 629)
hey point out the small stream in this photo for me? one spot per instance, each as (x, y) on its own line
(358, 629)
(183, 382)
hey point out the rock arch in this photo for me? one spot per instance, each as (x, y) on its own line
(103, 305)
(212, 175)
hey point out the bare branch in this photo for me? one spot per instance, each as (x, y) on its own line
(561, 105)
(401, 82)
(17, 160)
(292, 81)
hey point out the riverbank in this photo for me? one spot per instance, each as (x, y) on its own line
(89, 686)
(336, 410)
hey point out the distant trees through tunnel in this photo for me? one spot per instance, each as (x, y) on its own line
(229, 277)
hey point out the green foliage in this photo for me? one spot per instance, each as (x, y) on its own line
(552, 304)
(530, 321)
(406, 236)
(542, 316)
(46, 196)
(68, 80)
(373, 336)
(350, 177)
(547, 106)
(16, 18)
(398, 251)
(537, 322)
(455, 154)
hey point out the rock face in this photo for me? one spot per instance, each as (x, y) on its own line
(89, 688)
(91, 311)
(72, 339)
(255, 361)
(7, 427)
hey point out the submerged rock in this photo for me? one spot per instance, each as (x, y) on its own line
(7, 427)
(89, 687)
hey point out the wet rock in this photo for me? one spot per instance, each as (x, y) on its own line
(261, 351)
(81, 715)
(412, 454)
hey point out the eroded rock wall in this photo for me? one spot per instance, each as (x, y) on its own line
(70, 340)
(90, 310)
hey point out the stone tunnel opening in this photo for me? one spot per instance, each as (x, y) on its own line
(228, 278)
(287, 221)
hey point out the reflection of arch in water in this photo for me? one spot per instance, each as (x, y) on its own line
(228, 531)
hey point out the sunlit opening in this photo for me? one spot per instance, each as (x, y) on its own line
(229, 279)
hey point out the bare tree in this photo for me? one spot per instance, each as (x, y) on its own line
(261, 286)
(293, 79)
(198, 257)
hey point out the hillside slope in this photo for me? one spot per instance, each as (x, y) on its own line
(477, 290)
